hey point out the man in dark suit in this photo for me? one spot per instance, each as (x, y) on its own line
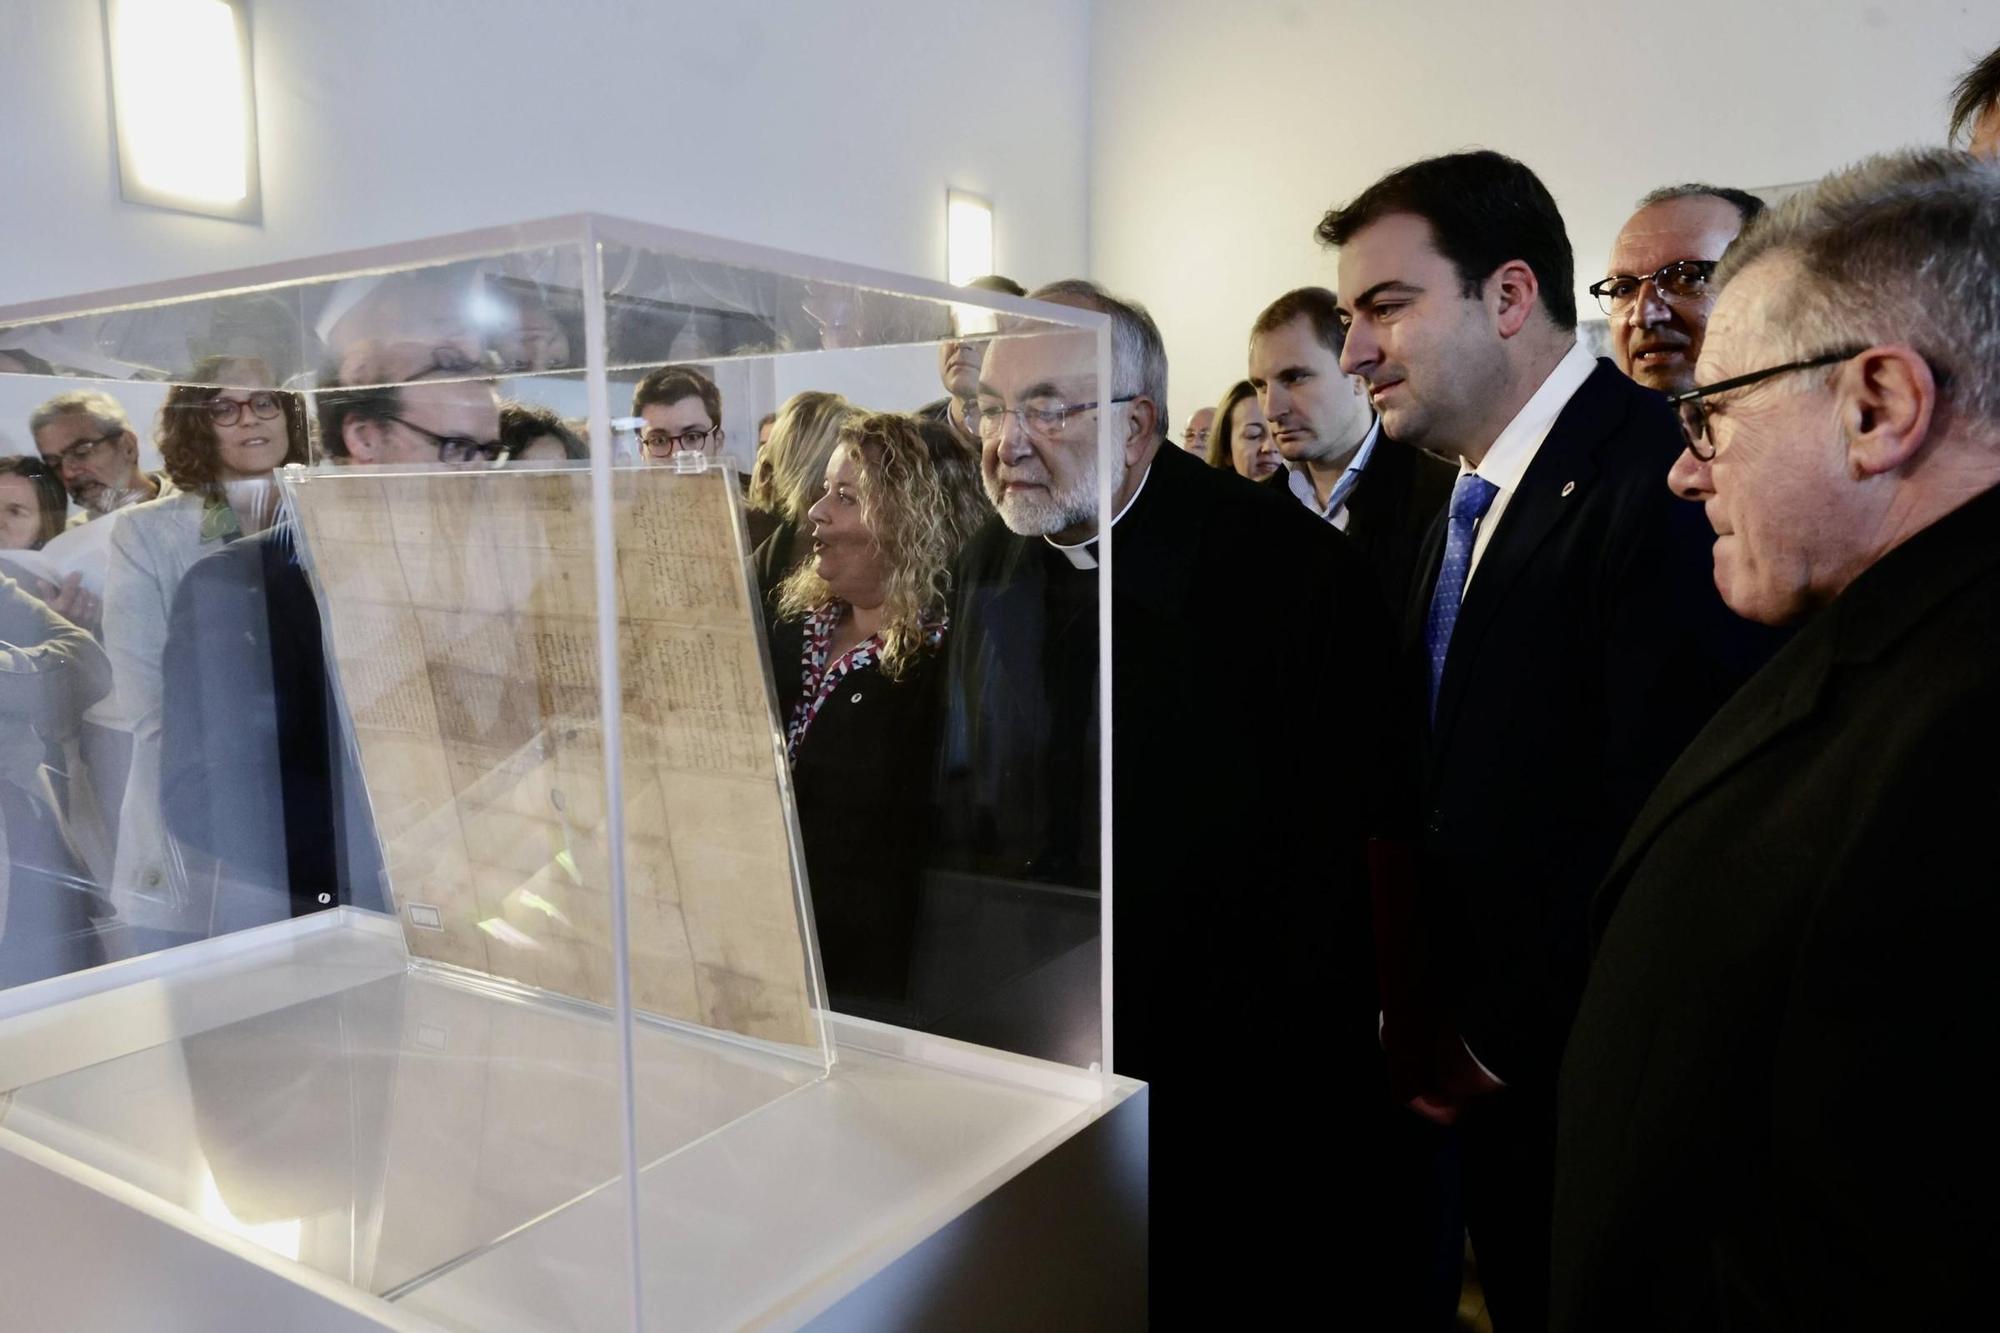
(1562, 646)
(1763, 1117)
(258, 769)
(1236, 918)
(1656, 289)
(1338, 464)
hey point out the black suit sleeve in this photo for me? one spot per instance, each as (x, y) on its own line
(1673, 649)
(256, 768)
(220, 781)
(1889, 1025)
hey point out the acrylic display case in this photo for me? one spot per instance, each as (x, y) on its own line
(416, 911)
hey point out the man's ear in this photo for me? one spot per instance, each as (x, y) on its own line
(1142, 429)
(1512, 291)
(130, 444)
(1888, 400)
(362, 438)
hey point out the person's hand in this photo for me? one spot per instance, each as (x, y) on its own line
(1456, 1080)
(71, 600)
(1436, 1110)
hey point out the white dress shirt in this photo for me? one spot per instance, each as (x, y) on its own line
(1301, 482)
(1515, 447)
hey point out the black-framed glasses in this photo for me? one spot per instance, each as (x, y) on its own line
(228, 411)
(1694, 411)
(1043, 420)
(662, 445)
(1680, 282)
(455, 448)
(81, 452)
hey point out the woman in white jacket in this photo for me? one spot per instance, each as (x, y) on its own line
(221, 446)
(50, 671)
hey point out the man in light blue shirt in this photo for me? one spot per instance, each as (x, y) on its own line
(1331, 440)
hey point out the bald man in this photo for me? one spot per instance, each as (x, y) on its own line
(1656, 289)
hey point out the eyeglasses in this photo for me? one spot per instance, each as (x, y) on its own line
(229, 411)
(1042, 421)
(1680, 282)
(79, 453)
(662, 445)
(455, 448)
(1694, 412)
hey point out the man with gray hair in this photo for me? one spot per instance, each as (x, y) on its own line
(1760, 1122)
(1656, 290)
(1228, 917)
(87, 439)
(1041, 487)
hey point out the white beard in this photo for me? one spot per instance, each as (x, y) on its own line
(1044, 513)
(107, 498)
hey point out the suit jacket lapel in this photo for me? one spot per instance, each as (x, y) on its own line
(1372, 508)
(1550, 491)
(1873, 615)
(1783, 694)
(1416, 608)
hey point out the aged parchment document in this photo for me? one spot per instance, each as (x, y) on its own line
(459, 609)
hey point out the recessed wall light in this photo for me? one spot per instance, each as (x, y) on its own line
(185, 110)
(968, 237)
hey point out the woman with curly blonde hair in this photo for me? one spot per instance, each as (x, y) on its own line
(855, 647)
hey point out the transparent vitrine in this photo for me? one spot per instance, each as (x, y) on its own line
(457, 787)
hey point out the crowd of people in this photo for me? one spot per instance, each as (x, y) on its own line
(1580, 799)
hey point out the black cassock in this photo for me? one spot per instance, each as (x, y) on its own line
(1252, 761)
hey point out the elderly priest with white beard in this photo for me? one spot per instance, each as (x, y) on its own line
(1248, 769)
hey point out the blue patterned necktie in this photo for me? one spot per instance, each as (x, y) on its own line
(1470, 499)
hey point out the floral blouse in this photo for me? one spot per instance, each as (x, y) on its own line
(819, 678)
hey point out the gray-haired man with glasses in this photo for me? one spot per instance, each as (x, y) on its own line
(1656, 291)
(1764, 1118)
(87, 439)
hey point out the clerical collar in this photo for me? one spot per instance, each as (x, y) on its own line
(1084, 553)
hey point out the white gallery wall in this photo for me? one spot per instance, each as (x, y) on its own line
(823, 127)
(831, 128)
(1221, 134)
(1176, 150)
